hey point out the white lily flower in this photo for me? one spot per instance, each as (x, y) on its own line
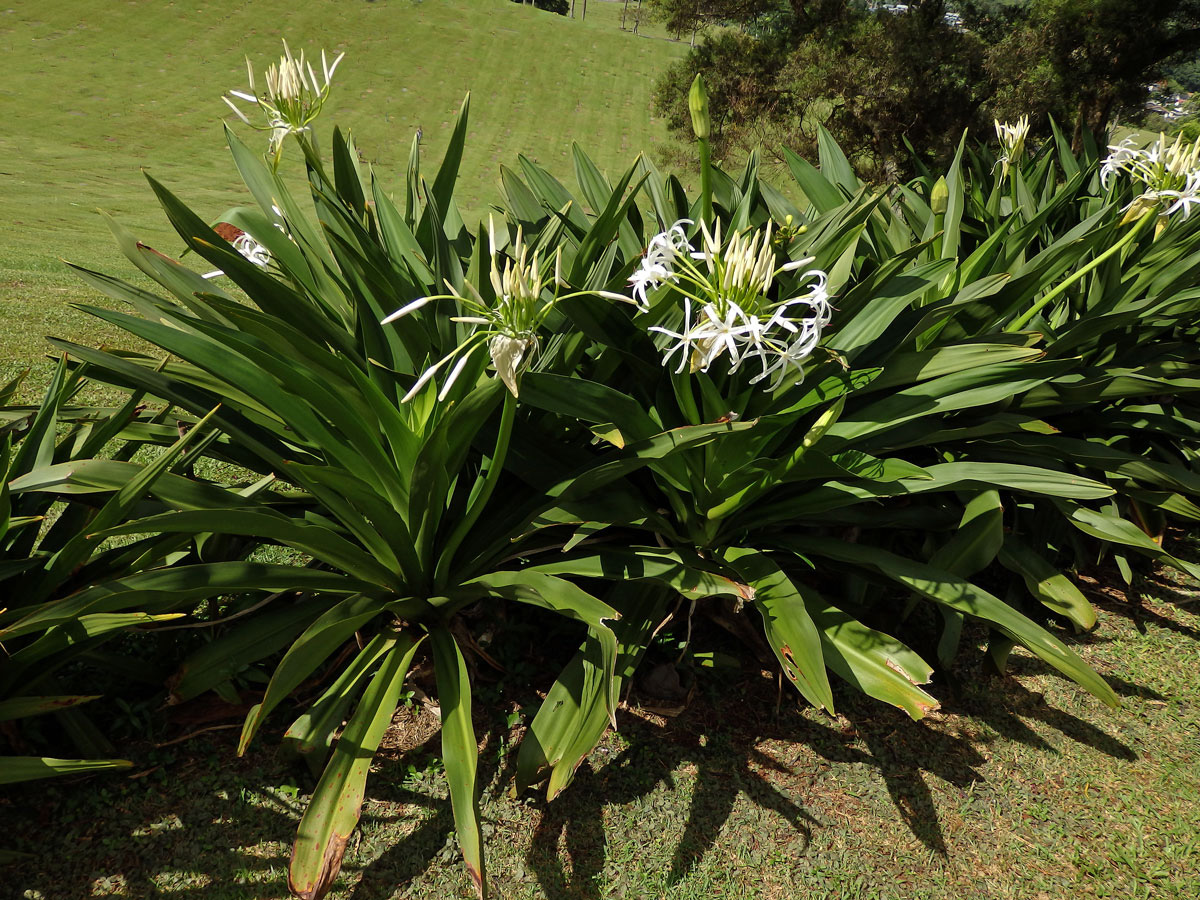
(686, 339)
(245, 245)
(507, 324)
(1120, 155)
(731, 282)
(1184, 197)
(1169, 174)
(293, 99)
(658, 262)
(1012, 142)
(718, 335)
(510, 357)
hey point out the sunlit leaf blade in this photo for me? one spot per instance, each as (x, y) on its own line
(333, 811)
(460, 752)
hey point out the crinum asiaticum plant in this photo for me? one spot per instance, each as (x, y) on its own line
(778, 419)
(1074, 278)
(398, 492)
(749, 327)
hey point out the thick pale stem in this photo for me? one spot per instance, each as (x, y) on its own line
(706, 208)
(1137, 229)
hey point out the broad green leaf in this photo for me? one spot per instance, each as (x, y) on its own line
(874, 662)
(15, 769)
(313, 648)
(790, 631)
(1050, 586)
(333, 810)
(958, 594)
(23, 707)
(460, 751)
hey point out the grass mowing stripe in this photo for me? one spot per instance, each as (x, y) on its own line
(103, 89)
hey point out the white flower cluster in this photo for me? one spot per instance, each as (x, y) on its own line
(727, 304)
(1169, 174)
(508, 324)
(294, 96)
(1011, 136)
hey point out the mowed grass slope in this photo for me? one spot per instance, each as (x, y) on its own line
(97, 90)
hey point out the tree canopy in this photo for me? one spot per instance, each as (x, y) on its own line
(880, 79)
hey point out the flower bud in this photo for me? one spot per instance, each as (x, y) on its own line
(939, 197)
(698, 106)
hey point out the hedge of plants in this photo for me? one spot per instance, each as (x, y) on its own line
(813, 415)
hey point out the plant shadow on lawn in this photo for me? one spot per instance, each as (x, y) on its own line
(199, 823)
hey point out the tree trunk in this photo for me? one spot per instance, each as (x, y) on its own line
(637, 17)
(624, 11)
(583, 15)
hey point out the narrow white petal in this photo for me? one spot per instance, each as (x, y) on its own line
(454, 373)
(241, 115)
(424, 379)
(609, 295)
(406, 309)
(796, 264)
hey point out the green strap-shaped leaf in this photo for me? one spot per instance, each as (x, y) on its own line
(71, 634)
(253, 639)
(1116, 530)
(312, 648)
(23, 707)
(82, 544)
(313, 730)
(460, 751)
(321, 542)
(31, 768)
(689, 575)
(821, 194)
(949, 590)
(333, 811)
(1050, 586)
(874, 662)
(573, 717)
(970, 549)
(789, 628)
(567, 599)
(834, 164)
(181, 587)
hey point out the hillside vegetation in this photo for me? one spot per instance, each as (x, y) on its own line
(108, 88)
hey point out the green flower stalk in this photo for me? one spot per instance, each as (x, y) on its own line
(293, 99)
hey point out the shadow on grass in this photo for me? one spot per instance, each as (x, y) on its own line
(731, 761)
(725, 770)
(209, 828)
(1011, 719)
(203, 827)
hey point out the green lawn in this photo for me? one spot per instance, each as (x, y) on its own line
(97, 90)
